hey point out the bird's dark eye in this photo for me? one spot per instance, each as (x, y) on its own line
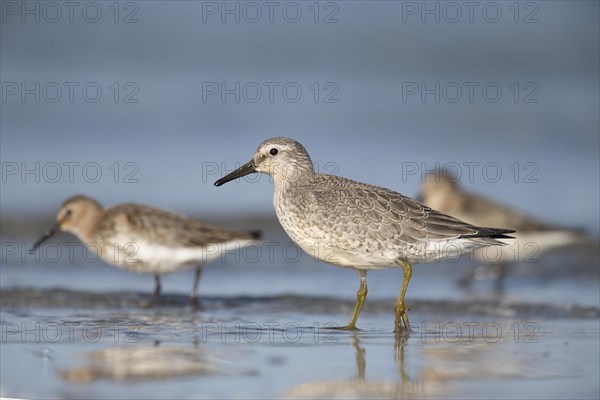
(273, 151)
(68, 213)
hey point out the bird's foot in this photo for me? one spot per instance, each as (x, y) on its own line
(343, 328)
(195, 305)
(401, 320)
(148, 302)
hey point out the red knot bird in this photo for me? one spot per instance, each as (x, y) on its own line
(440, 190)
(144, 239)
(357, 225)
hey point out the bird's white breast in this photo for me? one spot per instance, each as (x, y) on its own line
(153, 258)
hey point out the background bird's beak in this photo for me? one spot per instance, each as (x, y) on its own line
(46, 236)
(244, 170)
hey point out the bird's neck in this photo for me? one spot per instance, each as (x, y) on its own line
(293, 178)
(86, 231)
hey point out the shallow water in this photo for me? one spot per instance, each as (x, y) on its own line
(76, 329)
(252, 347)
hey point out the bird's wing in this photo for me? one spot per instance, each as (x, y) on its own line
(153, 225)
(376, 211)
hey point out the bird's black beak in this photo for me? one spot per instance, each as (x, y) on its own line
(46, 236)
(244, 170)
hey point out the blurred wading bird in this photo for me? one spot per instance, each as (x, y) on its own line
(144, 239)
(440, 191)
(356, 225)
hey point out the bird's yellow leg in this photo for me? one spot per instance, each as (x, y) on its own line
(361, 295)
(401, 316)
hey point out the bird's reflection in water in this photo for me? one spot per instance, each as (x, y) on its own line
(400, 340)
(360, 387)
(445, 365)
(141, 362)
(361, 364)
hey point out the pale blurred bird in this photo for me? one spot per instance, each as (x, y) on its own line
(532, 237)
(147, 240)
